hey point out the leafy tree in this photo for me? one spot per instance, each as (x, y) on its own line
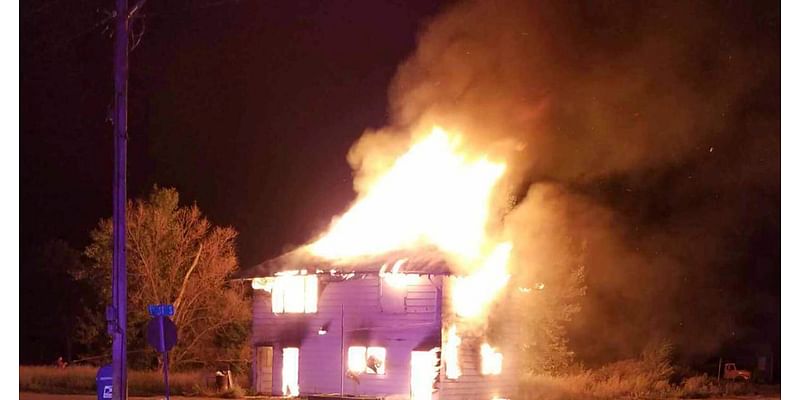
(175, 256)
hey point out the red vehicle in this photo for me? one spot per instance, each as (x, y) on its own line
(730, 372)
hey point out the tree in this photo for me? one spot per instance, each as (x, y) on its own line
(176, 256)
(552, 229)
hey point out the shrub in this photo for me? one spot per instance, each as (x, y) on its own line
(645, 377)
(697, 387)
(233, 393)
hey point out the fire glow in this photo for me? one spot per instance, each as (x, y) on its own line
(397, 279)
(451, 368)
(491, 360)
(432, 194)
(435, 194)
(423, 374)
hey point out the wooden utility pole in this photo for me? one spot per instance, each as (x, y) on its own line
(119, 277)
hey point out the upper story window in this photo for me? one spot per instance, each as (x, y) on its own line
(291, 293)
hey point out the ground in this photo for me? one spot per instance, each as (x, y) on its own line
(42, 396)
(45, 396)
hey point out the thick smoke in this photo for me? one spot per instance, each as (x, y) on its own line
(646, 132)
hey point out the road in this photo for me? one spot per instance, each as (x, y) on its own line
(43, 396)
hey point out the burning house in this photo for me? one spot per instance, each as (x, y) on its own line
(384, 327)
(393, 301)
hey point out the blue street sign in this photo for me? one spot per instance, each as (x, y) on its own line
(162, 333)
(161, 310)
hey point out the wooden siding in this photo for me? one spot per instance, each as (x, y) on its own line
(472, 384)
(357, 302)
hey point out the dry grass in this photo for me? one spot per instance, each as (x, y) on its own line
(81, 379)
(648, 377)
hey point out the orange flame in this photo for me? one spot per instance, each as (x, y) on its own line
(432, 194)
(435, 194)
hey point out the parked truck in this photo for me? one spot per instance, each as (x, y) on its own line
(732, 373)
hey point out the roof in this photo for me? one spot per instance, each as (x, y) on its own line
(425, 261)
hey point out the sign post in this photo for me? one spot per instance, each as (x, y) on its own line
(162, 334)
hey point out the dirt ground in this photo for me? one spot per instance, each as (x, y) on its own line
(775, 395)
(45, 396)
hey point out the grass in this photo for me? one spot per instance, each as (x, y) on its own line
(81, 380)
(649, 377)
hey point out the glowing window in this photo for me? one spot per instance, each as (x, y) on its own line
(423, 374)
(491, 360)
(371, 360)
(376, 359)
(357, 359)
(295, 294)
(290, 371)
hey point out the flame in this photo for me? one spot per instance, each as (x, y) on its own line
(491, 360)
(451, 368)
(423, 374)
(472, 293)
(433, 194)
(397, 279)
(357, 359)
(290, 371)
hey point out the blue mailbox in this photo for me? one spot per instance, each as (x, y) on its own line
(103, 379)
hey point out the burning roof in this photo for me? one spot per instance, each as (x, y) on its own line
(427, 261)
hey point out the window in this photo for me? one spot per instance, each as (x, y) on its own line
(376, 359)
(357, 359)
(491, 360)
(295, 294)
(423, 374)
(371, 360)
(290, 371)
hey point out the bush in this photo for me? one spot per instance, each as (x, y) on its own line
(233, 393)
(698, 387)
(645, 377)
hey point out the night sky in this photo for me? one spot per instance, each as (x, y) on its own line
(249, 107)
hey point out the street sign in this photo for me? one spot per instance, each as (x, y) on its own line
(162, 334)
(161, 310)
(154, 334)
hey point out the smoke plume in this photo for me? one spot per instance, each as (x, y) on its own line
(646, 132)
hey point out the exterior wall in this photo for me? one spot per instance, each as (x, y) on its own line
(472, 384)
(374, 314)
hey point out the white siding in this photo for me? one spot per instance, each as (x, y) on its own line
(357, 303)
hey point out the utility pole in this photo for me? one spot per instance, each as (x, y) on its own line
(119, 277)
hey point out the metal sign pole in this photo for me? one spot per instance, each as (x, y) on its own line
(166, 356)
